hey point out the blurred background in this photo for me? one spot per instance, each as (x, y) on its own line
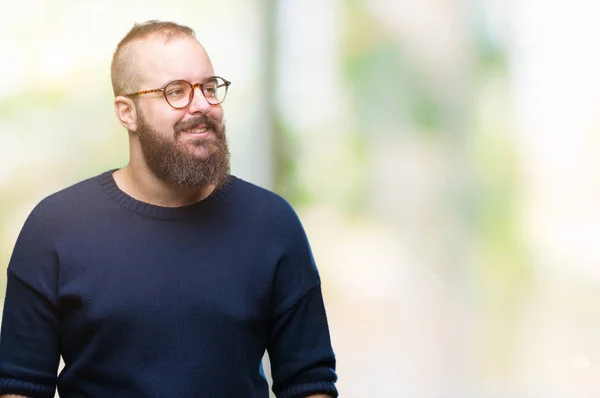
(443, 155)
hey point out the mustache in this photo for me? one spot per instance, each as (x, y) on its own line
(197, 122)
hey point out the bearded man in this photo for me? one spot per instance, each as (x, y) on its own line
(168, 277)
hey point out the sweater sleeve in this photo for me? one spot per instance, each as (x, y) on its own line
(299, 345)
(29, 337)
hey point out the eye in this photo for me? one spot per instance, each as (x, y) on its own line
(175, 93)
(210, 91)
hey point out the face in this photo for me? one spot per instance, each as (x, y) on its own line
(184, 147)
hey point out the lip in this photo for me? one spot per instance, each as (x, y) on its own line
(198, 135)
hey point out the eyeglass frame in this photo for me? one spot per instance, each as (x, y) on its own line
(194, 85)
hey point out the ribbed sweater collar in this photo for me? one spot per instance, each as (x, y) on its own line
(110, 187)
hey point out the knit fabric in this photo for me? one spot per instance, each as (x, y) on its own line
(149, 301)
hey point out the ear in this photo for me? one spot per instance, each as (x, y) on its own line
(126, 112)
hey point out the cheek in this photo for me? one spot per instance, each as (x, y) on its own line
(163, 127)
(216, 113)
(168, 120)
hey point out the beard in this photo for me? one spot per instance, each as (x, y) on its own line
(173, 162)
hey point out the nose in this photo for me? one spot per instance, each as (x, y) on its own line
(199, 104)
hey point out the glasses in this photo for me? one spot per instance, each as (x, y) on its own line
(180, 93)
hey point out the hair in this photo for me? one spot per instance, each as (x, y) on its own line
(123, 68)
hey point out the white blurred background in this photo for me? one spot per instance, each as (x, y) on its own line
(441, 154)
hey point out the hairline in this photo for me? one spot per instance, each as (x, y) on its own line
(123, 72)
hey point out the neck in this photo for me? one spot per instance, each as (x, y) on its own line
(138, 182)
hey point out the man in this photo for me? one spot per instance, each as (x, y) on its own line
(168, 277)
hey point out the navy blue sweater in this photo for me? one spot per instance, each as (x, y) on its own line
(149, 301)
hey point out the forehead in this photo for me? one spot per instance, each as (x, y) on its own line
(158, 62)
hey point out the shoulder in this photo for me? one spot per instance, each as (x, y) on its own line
(71, 202)
(264, 207)
(258, 200)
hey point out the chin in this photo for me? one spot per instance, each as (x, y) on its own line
(200, 152)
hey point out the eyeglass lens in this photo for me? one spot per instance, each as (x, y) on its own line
(179, 93)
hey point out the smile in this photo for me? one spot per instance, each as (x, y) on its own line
(198, 130)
